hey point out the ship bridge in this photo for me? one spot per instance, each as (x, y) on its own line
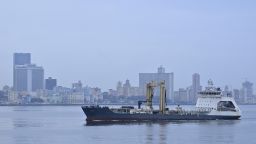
(212, 98)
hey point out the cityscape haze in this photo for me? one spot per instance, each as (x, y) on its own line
(101, 42)
(30, 87)
(127, 71)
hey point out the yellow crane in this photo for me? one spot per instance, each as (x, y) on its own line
(150, 94)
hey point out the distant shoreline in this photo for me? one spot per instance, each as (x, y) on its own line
(89, 104)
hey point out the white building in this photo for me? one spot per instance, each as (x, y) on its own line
(161, 75)
(127, 89)
(13, 97)
(75, 98)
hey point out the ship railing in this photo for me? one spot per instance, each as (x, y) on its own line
(192, 112)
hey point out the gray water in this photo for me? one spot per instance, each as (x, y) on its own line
(66, 125)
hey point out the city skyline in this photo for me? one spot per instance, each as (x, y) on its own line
(127, 71)
(101, 44)
(29, 86)
(134, 81)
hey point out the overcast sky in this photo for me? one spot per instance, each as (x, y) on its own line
(102, 41)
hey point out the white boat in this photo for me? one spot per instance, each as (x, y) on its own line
(217, 102)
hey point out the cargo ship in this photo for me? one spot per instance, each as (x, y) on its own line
(212, 104)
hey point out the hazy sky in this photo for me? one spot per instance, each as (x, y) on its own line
(102, 41)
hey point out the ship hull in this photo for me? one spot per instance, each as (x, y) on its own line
(105, 114)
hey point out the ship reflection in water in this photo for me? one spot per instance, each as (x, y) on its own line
(163, 132)
(151, 134)
(162, 123)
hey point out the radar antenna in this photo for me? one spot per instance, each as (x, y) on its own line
(210, 83)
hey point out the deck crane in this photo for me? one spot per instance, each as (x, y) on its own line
(150, 93)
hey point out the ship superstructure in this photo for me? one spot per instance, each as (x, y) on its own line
(211, 104)
(217, 102)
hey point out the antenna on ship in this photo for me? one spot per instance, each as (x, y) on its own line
(210, 83)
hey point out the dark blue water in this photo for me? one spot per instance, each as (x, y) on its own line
(66, 125)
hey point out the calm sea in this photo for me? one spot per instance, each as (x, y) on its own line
(66, 125)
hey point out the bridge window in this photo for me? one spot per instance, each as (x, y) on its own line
(225, 106)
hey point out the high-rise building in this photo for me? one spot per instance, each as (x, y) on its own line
(247, 92)
(195, 88)
(119, 89)
(168, 78)
(28, 78)
(50, 83)
(20, 59)
(236, 95)
(127, 87)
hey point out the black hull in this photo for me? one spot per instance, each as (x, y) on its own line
(105, 114)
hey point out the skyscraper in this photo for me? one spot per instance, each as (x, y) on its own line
(20, 59)
(247, 92)
(119, 89)
(168, 78)
(196, 87)
(126, 88)
(28, 78)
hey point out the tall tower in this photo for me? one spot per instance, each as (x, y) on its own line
(28, 78)
(21, 59)
(127, 87)
(119, 89)
(196, 87)
(247, 91)
(18, 60)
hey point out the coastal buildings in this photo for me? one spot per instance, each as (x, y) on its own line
(29, 86)
(19, 59)
(247, 92)
(195, 88)
(50, 83)
(181, 96)
(26, 76)
(126, 89)
(189, 95)
(161, 75)
(76, 95)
